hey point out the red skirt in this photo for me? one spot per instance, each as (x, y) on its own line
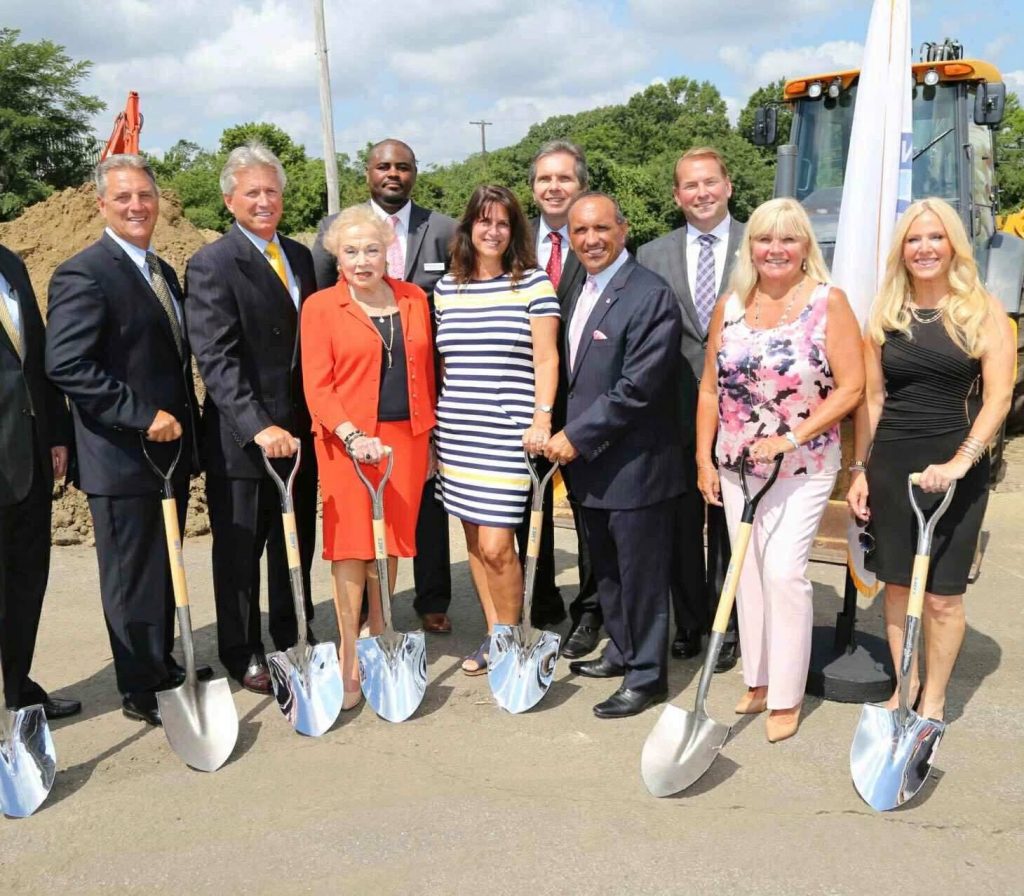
(348, 533)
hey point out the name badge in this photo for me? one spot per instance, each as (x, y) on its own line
(431, 266)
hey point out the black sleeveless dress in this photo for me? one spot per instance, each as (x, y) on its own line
(932, 394)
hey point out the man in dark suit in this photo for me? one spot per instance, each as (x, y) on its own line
(696, 261)
(420, 255)
(558, 173)
(622, 442)
(116, 346)
(244, 297)
(35, 431)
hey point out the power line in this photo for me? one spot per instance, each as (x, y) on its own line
(483, 134)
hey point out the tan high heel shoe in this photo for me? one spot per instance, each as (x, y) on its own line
(754, 701)
(782, 723)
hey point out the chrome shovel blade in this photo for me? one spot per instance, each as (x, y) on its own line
(28, 761)
(890, 761)
(521, 665)
(307, 685)
(393, 673)
(201, 722)
(682, 746)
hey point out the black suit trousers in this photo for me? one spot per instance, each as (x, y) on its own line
(24, 569)
(696, 582)
(135, 584)
(630, 551)
(245, 520)
(432, 565)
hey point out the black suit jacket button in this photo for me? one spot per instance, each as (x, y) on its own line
(571, 394)
(27, 412)
(276, 331)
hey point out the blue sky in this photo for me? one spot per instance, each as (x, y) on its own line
(423, 69)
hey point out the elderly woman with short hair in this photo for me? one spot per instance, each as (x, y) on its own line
(368, 373)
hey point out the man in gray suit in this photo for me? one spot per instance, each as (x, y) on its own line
(421, 256)
(697, 261)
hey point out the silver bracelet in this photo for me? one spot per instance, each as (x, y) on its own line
(791, 436)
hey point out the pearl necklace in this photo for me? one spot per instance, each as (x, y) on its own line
(785, 313)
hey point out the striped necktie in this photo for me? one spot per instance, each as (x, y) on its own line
(163, 293)
(7, 322)
(704, 283)
(273, 253)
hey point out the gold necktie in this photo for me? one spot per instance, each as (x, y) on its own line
(7, 322)
(163, 293)
(273, 254)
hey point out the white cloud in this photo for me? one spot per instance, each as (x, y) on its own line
(791, 62)
(1015, 82)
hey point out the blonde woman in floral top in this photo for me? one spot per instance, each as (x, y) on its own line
(783, 367)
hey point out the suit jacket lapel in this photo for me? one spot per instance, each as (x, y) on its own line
(680, 275)
(15, 283)
(736, 231)
(258, 271)
(604, 304)
(418, 218)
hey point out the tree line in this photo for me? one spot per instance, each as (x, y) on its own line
(46, 144)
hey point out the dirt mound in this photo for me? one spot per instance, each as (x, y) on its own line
(51, 231)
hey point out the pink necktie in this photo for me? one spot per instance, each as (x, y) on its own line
(584, 306)
(396, 258)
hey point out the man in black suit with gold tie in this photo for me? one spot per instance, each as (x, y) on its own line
(116, 346)
(558, 173)
(244, 298)
(423, 244)
(35, 432)
(697, 261)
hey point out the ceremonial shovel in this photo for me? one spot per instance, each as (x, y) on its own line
(392, 665)
(892, 751)
(199, 717)
(522, 658)
(683, 744)
(306, 678)
(28, 761)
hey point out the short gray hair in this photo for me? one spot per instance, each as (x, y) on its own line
(249, 155)
(556, 146)
(596, 194)
(121, 160)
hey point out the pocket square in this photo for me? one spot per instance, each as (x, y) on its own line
(599, 336)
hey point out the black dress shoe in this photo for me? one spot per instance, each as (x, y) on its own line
(727, 658)
(60, 708)
(176, 675)
(582, 641)
(599, 668)
(142, 708)
(625, 702)
(686, 644)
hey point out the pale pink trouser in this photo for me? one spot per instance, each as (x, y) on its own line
(776, 613)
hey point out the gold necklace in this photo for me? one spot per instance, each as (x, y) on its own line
(785, 313)
(387, 345)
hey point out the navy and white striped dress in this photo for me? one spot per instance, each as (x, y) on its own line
(487, 397)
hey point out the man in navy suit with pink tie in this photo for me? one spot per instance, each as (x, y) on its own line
(622, 447)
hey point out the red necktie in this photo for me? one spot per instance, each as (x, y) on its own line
(554, 268)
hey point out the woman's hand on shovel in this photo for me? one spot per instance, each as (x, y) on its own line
(367, 449)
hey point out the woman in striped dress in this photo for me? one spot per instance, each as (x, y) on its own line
(497, 332)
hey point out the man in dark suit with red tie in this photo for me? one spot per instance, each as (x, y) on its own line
(35, 432)
(622, 444)
(116, 346)
(244, 298)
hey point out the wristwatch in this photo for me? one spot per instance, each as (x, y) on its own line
(543, 408)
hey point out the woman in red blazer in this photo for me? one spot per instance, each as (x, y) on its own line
(368, 372)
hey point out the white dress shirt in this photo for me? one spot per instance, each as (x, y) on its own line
(544, 244)
(10, 299)
(720, 250)
(401, 228)
(138, 256)
(261, 244)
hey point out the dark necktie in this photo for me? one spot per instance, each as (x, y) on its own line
(554, 268)
(163, 293)
(704, 283)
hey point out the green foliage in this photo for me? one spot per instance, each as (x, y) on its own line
(1010, 156)
(45, 137)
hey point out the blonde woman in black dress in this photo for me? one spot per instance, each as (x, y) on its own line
(939, 356)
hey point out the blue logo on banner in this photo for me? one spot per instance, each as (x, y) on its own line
(906, 172)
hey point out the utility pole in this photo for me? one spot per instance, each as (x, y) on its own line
(483, 134)
(326, 110)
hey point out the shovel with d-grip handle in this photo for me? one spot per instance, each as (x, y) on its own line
(306, 678)
(199, 717)
(892, 750)
(683, 744)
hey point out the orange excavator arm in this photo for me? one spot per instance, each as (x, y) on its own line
(127, 125)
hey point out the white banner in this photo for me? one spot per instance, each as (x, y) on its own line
(877, 181)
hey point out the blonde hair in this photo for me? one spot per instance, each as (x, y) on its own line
(776, 217)
(968, 304)
(357, 216)
(700, 152)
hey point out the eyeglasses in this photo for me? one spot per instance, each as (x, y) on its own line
(865, 539)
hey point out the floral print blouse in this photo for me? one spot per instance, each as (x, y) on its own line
(769, 380)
